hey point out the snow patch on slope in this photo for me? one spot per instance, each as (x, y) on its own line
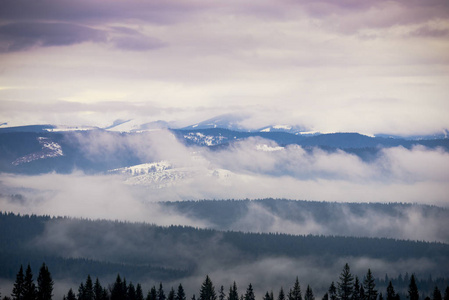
(205, 140)
(62, 128)
(144, 168)
(49, 149)
(282, 128)
(157, 175)
(164, 174)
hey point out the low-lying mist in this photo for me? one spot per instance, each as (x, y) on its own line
(250, 169)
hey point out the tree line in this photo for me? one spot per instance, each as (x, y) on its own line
(348, 287)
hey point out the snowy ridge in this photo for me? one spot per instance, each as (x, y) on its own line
(137, 125)
(70, 128)
(164, 174)
(282, 128)
(49, 149)
(143, 168)
(205, 140)
(157, 175)
(226, 121)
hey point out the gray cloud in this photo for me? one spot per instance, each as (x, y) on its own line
(169, 12)
(21, 36)
(426, 31)
(297, 61)
(25, 35)
(411, 223)
(137, 43)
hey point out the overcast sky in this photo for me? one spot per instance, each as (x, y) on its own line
(349, 65)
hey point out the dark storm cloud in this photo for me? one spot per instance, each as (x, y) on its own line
(61, 23)
(94, 11)
(167, 12)
(25, 35)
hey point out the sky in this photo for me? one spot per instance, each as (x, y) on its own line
(364, 66)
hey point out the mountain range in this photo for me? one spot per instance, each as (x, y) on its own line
(46, 148)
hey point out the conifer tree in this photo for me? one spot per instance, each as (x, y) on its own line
(88, 289)
(98, 290)
(281, 295)
(139, 292)
(391, 294)
(207, 291)
(381, 297)
(29, 288)
(124, 289)
(233, 294)
(71, 295)
(413, 293)
(362, 292)
(81, 292)
(152, 294)
(221, 294)
(105, 295)
(309, 294)
(369, 286)
(436, 294)
(160, 292)
(180, 294)
(345, 285)
(171, 294)
(249, 295)
(17, 292)
(267, 296)
(117, 289)
(131, 292)
(332, 292)
(44, 284)
(325, 296)
(356, 290)
(296, 291)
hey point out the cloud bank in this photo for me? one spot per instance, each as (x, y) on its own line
(243, 170)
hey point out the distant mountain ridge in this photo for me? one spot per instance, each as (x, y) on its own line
(47, 148)
(218, 136)
(226, 121)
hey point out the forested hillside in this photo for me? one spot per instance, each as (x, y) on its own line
(73, 247)
(393, 220)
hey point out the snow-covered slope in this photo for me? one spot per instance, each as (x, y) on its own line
(49, 149)
(285, 128)
(136, 125)
(201, 139)
(165, 174)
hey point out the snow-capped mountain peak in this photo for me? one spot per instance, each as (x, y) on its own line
(226, 121)
(283, 128)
